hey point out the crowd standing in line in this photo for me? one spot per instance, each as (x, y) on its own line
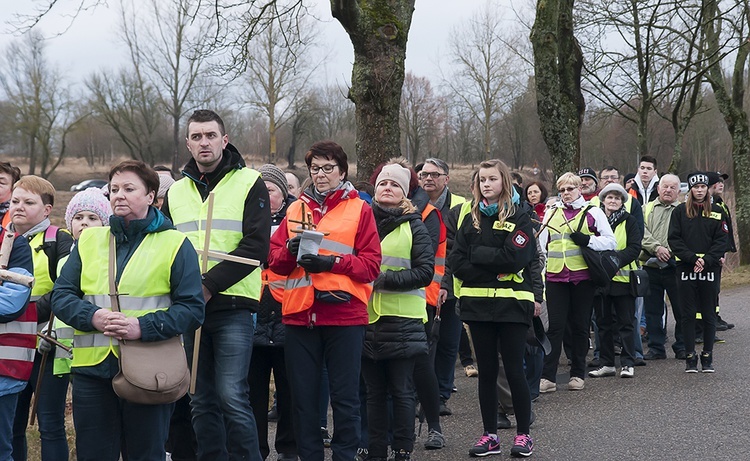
(372, 296)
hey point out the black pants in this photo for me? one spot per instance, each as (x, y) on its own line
(699, 292)
(568, 304)
(264, 360)
(614, 318)
(508, 339)
(464, 349)
(392, 377)
(425, 380)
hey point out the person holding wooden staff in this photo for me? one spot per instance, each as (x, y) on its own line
(239, 226)
(30, 206)
(157, 282)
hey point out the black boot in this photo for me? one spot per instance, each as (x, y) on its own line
(691, 363)
(402, 455)
(707, 360)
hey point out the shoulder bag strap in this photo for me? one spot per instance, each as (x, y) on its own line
(583, 217)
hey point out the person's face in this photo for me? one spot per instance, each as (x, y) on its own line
(490, 184)
(293, 185)
(569, 193)
(646, 171)
(612, 203)
(388, 193)
(533, 194)
(27, 209)
(128, 196)
(609, 177)
(325, 181)
(6, 187)
(275, 195)
(699, 192)
(432, 179)
(83, 220)
(588, 185)
(206, 143)
(718, 188)
(629, 183)
(668, 191)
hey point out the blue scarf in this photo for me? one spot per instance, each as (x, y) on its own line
(492, 210)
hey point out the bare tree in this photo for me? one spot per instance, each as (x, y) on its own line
(44, 110)
(419, 111)
(278, 69)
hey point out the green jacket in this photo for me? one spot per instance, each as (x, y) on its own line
(656, 216)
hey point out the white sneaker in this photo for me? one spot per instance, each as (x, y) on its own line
(546, 385)
(575, 384)
(626, 372)
(602, 372)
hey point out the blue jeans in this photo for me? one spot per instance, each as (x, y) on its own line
(7, 410)
(447, 348)
(50, 413)
(223, 419)
(306, 349)
(106, 425)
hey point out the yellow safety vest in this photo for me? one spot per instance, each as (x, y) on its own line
(144, 284)
(42, 281)
(396, 248)
(621, 235)
(189, 214)
(561, 250)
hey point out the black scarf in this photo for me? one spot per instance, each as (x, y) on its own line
(616, 217)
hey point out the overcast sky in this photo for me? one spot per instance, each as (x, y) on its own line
(90, 43)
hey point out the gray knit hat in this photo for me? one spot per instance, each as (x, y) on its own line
(275, 175)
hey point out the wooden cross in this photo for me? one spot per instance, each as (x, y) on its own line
(206, 253)
(306, 223)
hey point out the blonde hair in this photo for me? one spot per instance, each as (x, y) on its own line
(38, 186)
(505, 205)
(568, 178)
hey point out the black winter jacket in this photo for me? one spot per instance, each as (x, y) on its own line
(397, 337)
(708, 236)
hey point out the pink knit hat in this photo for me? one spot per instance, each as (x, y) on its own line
(92, 200)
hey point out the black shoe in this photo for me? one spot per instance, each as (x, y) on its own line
(273, 414)
(402, 455)
(699, 339)
(721, 322)
(707, 362)
(435, 440)
(680, 355)
(594, 363)
(326, 437)
(651, 355)
(722, 326)
(718, 340)
(691, 363)
(639, 362)
(444, 410)
(503, 422)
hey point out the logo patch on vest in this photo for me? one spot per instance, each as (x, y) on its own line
(724, 227)
(520, 239)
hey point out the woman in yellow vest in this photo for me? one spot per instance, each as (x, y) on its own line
(494, 244)
(615, 313)
(397, 311)
(159, 282)
(570, 292)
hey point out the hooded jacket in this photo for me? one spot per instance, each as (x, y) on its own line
(256, 221)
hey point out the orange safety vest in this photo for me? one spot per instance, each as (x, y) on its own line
(341, 223)
(433, 289)
(275, 283)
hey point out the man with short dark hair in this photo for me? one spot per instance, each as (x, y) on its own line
(222, 416)
(644, 186)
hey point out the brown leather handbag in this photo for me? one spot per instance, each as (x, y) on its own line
(151, 373)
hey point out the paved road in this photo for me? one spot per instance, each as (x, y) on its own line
(662, 413)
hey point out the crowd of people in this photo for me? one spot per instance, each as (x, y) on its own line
(361, 296)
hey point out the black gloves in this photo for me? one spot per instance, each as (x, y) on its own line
(380, 281)
(293, 245)
(580, 239)
(316, 263)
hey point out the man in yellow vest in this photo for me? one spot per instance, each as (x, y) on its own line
(222, 416)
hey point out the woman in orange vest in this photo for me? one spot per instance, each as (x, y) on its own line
(325, 299)
(268, 341)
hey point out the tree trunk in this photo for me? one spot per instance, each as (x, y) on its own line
(176, 164)
(730, 103)
(378, 30)
(557, 64)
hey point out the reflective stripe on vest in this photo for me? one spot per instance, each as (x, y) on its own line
(396, 248)
(562, 252)
(18, 345)
(341, 223)
(521, 295)
(433, 289)
(189, 214)
(151, 261)
(275, 283)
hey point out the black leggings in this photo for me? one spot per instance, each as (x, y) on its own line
(510, 338)
(700, 291)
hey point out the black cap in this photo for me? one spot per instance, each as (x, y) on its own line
(697, 177)
(716, 176)
(628, 177)
(589, 173)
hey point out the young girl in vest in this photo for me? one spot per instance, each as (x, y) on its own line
(494, 244)
(698, 237)
(397, 310)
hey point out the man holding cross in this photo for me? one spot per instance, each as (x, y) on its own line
(222, 416)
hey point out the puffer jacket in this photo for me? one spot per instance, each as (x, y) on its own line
(398, 337)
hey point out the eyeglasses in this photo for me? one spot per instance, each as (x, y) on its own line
(431, 174)
(613, 177)
(568, 189)
(328, 168)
